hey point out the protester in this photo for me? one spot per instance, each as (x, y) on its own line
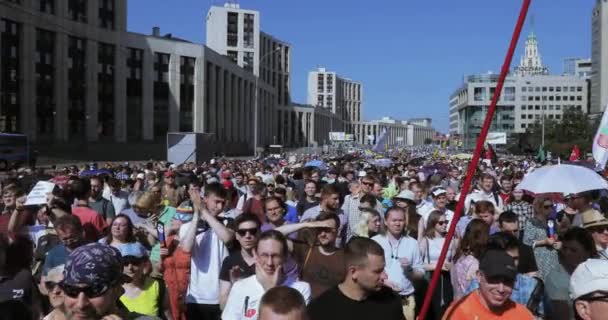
(536, 235)
(402, 256)
(121, 232)
(206, 243)
(330, 202)
(589, 288)
(98, 203)
(370, 223)
(466, 259)
(240, 263)
(496, 276)
(92, 284)
(352, 201)
(362, 294)
(431, 245)
(597, 225)
(577, 246)
(93, 224)
(245, 295)
(508, 223)
(522, 208)
(485, 192)
(55, 294)
(282, 303)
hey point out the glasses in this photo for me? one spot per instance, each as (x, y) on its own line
(244, 232)
(127, 260)
(50, 285)
(369, 184)
(548, 206)
(92, 291)
(599, 229)
(441, 223)
(601, 298)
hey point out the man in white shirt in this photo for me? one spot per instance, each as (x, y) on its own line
(402, 256)
(245, 295)
(485, 193)
(206, 242)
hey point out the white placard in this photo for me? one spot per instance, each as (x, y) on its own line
(39, 192)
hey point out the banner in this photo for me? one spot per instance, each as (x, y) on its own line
(600, 143)
(380, 145)
(496, 138)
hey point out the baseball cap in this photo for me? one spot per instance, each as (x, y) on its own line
(438, 191)
(133, 249)
(406, 195)
(94, 264)
(497, 263)
(588, 277)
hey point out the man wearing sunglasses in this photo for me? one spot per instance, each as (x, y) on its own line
(92, 284)
(589, 289)
(597, 225)
(352, 202)
(240, 264)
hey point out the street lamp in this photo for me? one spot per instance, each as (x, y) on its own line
(255, 105)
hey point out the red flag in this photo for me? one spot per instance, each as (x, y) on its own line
(576, 153)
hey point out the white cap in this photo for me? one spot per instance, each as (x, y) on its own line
(589, 276)
(362, 174)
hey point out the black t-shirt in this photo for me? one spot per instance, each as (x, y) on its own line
(333, 304)
(527, 261)
(17, 291)
(236, 259)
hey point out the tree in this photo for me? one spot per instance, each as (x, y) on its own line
(561, 136)
(428, 141)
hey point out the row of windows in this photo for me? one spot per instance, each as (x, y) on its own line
(551, 98)
(537, 116)
(551, 89)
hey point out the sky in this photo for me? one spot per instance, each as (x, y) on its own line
(409, 55)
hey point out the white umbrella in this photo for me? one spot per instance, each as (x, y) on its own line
(562, 178)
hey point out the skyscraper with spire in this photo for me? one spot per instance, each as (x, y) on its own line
(531, 62)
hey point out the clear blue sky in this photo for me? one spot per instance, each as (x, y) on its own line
(409, 55)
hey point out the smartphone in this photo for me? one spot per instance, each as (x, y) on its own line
(160, 228)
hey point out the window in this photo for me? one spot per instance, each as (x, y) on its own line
(161, 94)
(537, 89)
(523, 116)
(551, 89)
(105, 79)
(572, 98)
(248, 31)
(544, 107)
(45, 82)
(558, 89)
(565, 89)
(524, 89)
(523, 125)
(558, 107)
(537, 98)
(530, 98)
(523, 107)
(536, 107)
(186, 96)
(248, 61)
(106, 14)
(558, 116)
(530, 116)
(551, 107)
(47, 6)
(10, 83)
(529, 107)
(544, 89)
(77, 10)
(579, 98)
(509, 94)
(550, 116)
(579, 89)
(558, 98)
(76, 87)
(523, 98)
(233, 55)
(479, 94)
(572, 89)
(232, 35)
(134, 93)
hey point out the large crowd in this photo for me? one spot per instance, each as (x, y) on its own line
(299, 238)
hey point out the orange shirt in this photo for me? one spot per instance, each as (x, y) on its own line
(471, 308)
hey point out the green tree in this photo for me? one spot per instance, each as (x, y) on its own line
(575, 128)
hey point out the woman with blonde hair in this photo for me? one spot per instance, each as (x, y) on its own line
(369, 225)
(536, 235)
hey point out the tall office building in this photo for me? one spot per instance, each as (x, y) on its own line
(578, 67)
(599, 57)
(342, 96)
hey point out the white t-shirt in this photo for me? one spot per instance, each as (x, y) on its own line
(245, 295)
(208, 254)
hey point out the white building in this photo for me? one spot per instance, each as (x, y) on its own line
(599, 57)
(400, 132)
(578, 67)
(341, 95)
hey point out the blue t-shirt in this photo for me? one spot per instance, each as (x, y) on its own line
(292, 214)
(55, 257)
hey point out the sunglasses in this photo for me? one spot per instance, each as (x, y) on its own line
(127, 260)
(548, 206)
(244, 232)
(50, 285)
(441, 223)
(326, 230)
(599, 229)
(370, 184)
(93, 291)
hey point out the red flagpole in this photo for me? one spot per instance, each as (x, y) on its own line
(473, 165)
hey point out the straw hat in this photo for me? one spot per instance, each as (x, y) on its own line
(593, 218)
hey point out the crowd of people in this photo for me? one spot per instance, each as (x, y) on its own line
(277, 239)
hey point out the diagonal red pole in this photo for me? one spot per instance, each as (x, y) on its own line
(473, 165)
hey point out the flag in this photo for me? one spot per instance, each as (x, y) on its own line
(381, 142)
(540, 156)
(600, 143)
(575, 154)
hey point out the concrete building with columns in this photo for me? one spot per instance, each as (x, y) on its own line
(305, 125)
(400, 132)
(341, 95)
(72, 75)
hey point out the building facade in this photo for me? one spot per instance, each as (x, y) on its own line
(599, 57)
(72, 73)
(400, 133)
(579, 67)
(341, 95)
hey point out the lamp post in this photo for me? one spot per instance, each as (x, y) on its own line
(255, 103)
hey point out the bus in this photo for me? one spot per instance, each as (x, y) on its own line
(14, 150)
